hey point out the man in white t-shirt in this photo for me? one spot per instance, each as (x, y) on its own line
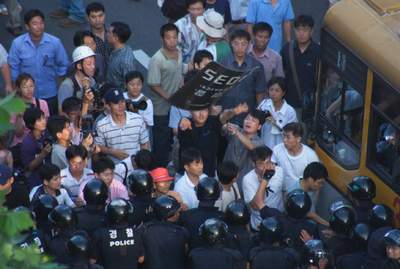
(292, 155)
(264, 170)
(185, 186)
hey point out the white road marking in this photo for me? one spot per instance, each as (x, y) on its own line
(142, 58)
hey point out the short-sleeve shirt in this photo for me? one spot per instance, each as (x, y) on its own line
(66, 90)
(271, 61)
(62, 196)
(240, 155)
(3, 56)
(71, 184)
(58, 157)
(166, 73)
(293, 166)
(30, 148)
(128, 138)
(274, 199)
(264, 11)
(121, 62)
(189, 37)
(147, 114)
(247, 89)
(115, 190)
(186, 189)
(175, 116)
(223, 8)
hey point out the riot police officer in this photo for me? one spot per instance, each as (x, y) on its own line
(118, 245)
(271, 249)
(63, 221)
(31, 236)
(78, 251)
(341, 221)
(140, 184)
(295, 223)
(208, 192)
(315, 256)
(165, 242)
(91, 216)
(42, 207)
(392, 243)
(359, 239)
(381, 221)
(361, 192)
(237, 217)
(214, 254)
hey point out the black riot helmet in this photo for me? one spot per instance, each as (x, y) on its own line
(117, 211)
(166, 207)
(313, 252)
(140, 182)
(361, 233)
(342, 218)
(208, 189)
(298, 203)
(392, 238)
(213, 231)
(78, 246)
(380, 216)
(237, 213)
(271, 230)
(95, 192)
(362, 188)
(62, 217)
(43, 206)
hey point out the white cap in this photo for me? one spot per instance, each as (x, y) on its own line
(211, 23)
(81, 53)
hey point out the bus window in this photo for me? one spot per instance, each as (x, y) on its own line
(340, 123)
(384, 135)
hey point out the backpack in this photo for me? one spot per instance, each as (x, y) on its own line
(174, 9)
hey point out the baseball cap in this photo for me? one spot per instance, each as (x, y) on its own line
(114, 96)
(160, 174)
(5, 174)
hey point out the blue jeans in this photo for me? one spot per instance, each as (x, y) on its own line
(75, 9)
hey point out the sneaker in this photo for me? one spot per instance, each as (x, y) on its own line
(58, 14)
(68, 23)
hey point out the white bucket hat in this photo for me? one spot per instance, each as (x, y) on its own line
(211, 23)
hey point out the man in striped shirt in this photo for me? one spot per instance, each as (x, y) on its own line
(121, 133)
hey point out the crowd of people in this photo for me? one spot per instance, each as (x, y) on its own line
(118, 177)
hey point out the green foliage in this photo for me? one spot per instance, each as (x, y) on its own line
(12, 223)
(11, 256)
(8, 105)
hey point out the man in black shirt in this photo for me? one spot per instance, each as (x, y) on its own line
(118, 245)
(16, 194)
(165, 243)
(306, 54)
(91, 216)
(203, 132)
(208, 192)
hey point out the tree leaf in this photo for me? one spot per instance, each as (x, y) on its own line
(12, 104)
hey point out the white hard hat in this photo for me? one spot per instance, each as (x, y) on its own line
(81, 53)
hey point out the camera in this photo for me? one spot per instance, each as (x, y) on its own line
(136, 106)
(48, 139)
(98, 92)
(87, 126)
(268, 174)
(267, 114)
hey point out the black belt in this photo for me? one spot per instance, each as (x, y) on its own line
(239, 21)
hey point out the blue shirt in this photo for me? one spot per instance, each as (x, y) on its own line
(44, 62)
(263, 11)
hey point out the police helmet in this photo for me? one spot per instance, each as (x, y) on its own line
(271, 230)
(62, 217)
(298, 203)
(213, 231)
(95, 192)
(361, 233)
(43, 206)
(208, 189)
(342, 218)
(392, 238)
(362, 188)
(380, 216)
(165, 207)
(313, 252)
(78, 245)
(117, 211)
(237, 213)
(140, 182)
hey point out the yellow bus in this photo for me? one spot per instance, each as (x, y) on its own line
(358, 96)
